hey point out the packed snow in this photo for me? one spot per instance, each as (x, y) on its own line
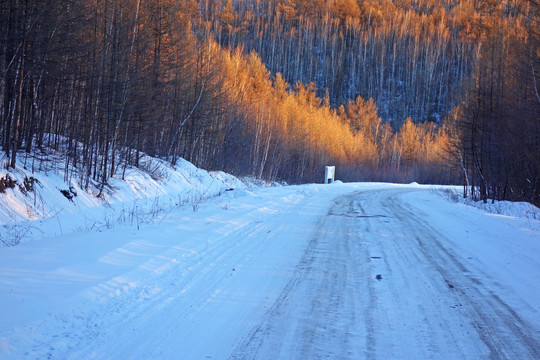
(201, 265)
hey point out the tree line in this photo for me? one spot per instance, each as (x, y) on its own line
(497, 123)
(411, 57)
(385, 90)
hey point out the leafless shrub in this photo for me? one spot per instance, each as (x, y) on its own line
(7, 182)
(70, 193)
(155, 169)
(13, 235)
(28, 184)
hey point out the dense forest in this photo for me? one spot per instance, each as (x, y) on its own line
(440, 91)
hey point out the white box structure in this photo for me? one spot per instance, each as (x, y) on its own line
(329, 173)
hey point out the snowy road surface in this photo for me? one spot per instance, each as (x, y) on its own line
(352, 271)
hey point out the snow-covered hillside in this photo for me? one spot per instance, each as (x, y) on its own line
(340, 271)
(47, 206)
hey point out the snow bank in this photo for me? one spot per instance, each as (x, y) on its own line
(523, 210)
(42, 204)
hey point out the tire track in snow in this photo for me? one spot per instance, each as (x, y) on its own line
(208, 273)
(86, 331)
(318, 308)
(501, 329)
(249, 347)
(425, 305)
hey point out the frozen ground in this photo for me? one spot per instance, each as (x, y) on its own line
(341, 271)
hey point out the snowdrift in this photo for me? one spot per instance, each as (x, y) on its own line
(41, 203)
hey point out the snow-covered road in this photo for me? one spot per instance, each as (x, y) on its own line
(352, 271)
(378, 282)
